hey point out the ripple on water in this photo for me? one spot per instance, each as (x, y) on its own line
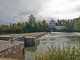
(43, 39)
(43, 42)
(52, 39)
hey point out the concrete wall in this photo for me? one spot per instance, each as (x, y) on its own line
(30, 41)
(5, 38)
(13, 52)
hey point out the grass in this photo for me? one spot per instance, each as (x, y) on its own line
(53, 53)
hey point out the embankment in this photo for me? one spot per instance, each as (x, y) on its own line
(16, 49)
(8, 50)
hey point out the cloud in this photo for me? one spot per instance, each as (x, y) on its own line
(8, 10)
(19, 10)
(62, 9)
(78, 8)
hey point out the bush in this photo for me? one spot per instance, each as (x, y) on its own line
(53, 53)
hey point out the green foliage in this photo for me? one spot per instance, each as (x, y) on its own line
(33, 26)
(45, 25)
(23, 27)
(53, 53)
(72, 25)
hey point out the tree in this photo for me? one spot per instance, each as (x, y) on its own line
(76, 24)
(14, 27)
(45, 25)
(31, 23)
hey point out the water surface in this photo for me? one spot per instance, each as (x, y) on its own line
(57, 39)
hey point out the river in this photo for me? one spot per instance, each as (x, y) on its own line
(57, 39)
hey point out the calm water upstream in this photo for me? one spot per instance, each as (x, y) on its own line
(57, 39)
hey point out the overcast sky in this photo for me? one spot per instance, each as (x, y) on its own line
(19, 10)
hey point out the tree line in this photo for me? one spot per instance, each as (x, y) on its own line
(32, 25)
(24, 27)
(72, 25)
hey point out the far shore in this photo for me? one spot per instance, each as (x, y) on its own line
(24, 34)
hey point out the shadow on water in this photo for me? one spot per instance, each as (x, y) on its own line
(31, 48)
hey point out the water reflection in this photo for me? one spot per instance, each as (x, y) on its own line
(31, 49)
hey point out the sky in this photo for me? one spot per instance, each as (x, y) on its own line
(19, 10)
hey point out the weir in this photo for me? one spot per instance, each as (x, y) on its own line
(16, 49)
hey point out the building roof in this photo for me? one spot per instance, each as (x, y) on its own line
(52, 20)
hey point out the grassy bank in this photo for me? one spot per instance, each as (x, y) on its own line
(53, 53)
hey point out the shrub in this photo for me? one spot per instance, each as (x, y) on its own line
(53, 53)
